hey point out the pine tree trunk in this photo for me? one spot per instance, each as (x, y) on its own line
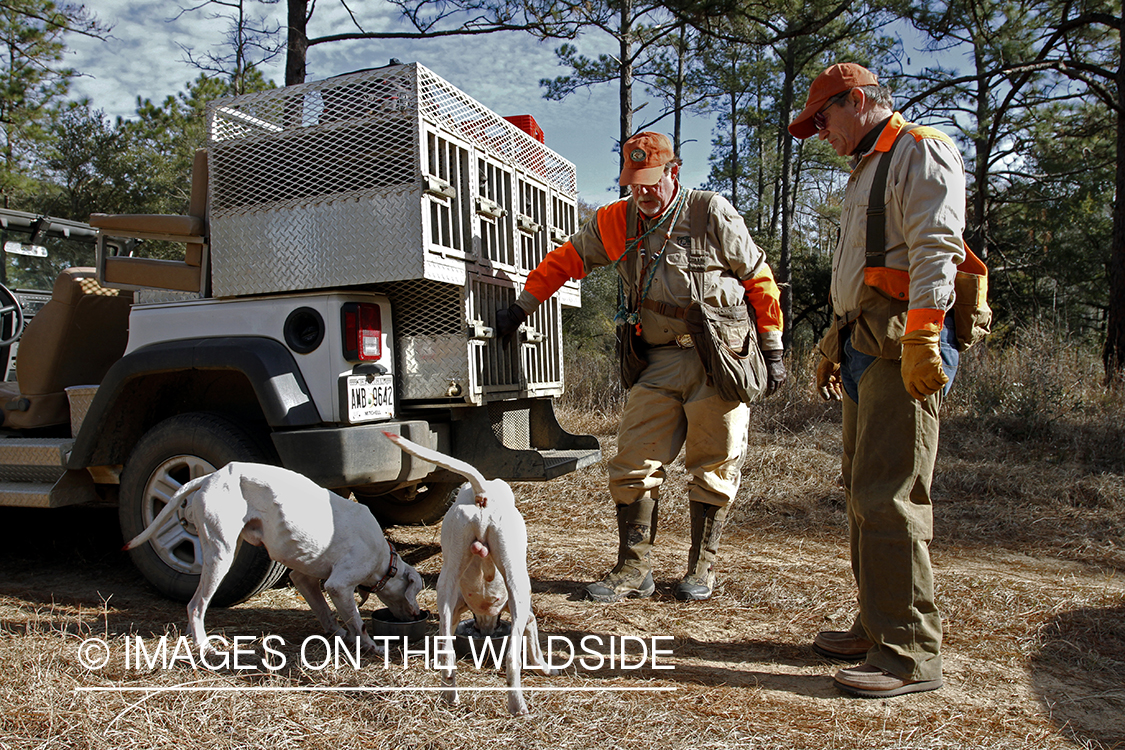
(782, 269)
(298, 45)
(626, 83)
(1113, 354)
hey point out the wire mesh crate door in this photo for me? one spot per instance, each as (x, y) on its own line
(494, 211)
(500, 372)
(543, 357)
(563, 223)
(447, 190)
(531, 222)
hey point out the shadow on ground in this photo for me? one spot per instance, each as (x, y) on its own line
(1079, 675)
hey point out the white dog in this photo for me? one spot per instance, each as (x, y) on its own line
(319, 535)
(484, 568)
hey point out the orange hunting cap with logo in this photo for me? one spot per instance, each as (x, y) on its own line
(645, 155)
(836, 79)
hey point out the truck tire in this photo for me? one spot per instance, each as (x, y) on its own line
(425, 507)
(176, 450)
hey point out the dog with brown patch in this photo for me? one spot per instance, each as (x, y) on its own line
(484, 569)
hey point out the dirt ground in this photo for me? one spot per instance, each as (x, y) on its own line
(1034, 647)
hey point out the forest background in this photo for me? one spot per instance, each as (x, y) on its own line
(1032, 91)
(1030, 491)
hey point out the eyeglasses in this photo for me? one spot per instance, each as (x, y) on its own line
(820, 120)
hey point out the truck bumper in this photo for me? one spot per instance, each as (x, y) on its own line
(517, 440)
(355, 455)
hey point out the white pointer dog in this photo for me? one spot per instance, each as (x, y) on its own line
(319, 535)
(484, 568)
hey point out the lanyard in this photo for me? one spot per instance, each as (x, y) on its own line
(648, 270)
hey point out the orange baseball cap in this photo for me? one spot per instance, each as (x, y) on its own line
(835, 80)
(645, 155)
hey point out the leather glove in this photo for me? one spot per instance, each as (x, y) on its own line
(508, 319)
(921, 363)
(828, 382)
(775, 370)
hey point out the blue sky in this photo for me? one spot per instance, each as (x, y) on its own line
(502, 71)
(144, 58)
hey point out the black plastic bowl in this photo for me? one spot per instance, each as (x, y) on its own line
(466, 631)
(383, 623)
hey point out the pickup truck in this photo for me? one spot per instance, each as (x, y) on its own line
(346, 247)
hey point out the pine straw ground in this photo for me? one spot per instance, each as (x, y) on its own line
(1030, 509)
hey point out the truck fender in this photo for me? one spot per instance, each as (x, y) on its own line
(268, 365)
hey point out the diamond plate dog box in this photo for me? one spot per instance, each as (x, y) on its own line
(378, 176)
(394, 180)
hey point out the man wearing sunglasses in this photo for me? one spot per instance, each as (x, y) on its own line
(890, 358)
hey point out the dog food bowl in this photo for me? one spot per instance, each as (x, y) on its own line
(467, 632)
(383, 623)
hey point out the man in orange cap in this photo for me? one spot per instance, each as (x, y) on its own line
(890, 357)
(673, 404)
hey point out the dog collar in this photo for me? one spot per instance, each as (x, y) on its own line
(392, 571)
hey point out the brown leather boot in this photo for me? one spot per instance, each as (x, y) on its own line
(706, 529)
(632, 576)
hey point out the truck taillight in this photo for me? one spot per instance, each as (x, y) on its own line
(363, 331)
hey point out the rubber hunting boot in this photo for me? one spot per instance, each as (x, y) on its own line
(706, 529)
(632, 576)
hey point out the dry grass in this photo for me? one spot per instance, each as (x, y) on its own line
(1030, 509)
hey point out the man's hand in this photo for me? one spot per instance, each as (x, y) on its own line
(922, 373)
(775, 370)
(828, 382)
(508, 319)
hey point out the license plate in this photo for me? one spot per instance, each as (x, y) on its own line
(368, 400)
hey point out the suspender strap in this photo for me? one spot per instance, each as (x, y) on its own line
(699, 202)
(877, 207)
(697, 226)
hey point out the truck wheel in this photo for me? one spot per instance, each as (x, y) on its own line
(173, 452)
(427, 506)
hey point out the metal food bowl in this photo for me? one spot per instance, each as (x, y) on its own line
(383, 623)
(466, 631)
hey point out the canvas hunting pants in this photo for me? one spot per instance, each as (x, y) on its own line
(671, 407)
(890, 442)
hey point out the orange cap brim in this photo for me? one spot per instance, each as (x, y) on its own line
(646, 176)
(803, 125)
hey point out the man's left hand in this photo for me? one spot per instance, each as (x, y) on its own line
(775, 370)
(922, 371)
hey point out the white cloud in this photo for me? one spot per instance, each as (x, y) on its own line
(144, 59)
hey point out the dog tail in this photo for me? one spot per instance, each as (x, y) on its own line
(166, 513)
(476, 479)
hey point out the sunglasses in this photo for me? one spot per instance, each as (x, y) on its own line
(820, 120)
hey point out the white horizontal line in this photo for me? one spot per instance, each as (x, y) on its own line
(330, 689)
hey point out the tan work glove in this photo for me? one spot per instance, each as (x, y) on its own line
(921, 363)
(828, 382)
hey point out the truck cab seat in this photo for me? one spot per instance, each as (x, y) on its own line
(188, 275)
(73, 340)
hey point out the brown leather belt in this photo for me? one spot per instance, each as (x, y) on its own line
(667, 310)
(683, 341)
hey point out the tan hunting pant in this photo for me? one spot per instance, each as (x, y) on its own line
(670, 408)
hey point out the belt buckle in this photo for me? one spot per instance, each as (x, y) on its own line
(684, 341)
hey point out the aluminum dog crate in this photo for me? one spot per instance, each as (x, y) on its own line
(395, 180)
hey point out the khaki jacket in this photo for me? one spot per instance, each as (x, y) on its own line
(925, 219)
(736, 268)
